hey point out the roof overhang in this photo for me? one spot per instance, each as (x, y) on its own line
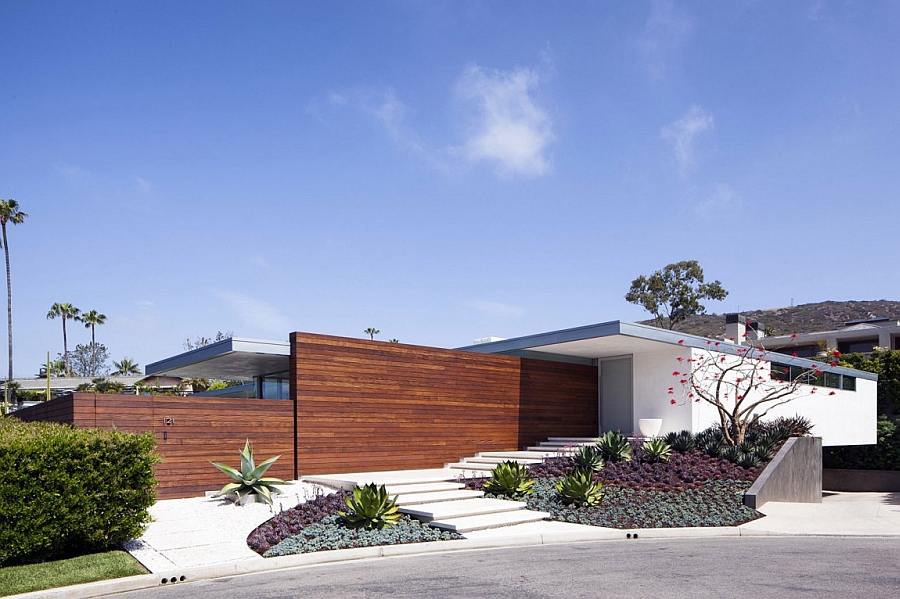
(616, 338)
(231, 358)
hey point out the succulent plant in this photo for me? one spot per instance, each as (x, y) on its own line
(370, 507)
(249, 479)
(732, 453)
(614, 447)
(748, 460)
(681, 441)
(588, 458)
(579, 487)
(657, 450)
(509, 478)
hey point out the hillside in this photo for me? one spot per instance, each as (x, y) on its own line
(804, 318)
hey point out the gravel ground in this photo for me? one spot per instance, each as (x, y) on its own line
(204, 530)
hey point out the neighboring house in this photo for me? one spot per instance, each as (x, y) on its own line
(857, 336)
(333, 404)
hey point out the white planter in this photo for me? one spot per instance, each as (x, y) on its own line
(650, 426)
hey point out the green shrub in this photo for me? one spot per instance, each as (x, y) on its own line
(883, 456)
(656, 450)
(588, 458)
(68, 492)
(509, 478)
(580, 488)
(681, 441)
(614, 447)
(370, 508)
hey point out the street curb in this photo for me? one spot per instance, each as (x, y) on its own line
(253, 566)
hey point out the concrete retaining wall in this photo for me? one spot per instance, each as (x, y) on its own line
(861, 481)
(794, 475)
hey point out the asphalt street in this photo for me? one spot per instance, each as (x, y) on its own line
(733, 567)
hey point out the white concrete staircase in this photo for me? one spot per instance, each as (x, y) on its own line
(437, 497)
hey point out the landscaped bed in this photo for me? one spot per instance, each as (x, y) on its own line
(685, 481)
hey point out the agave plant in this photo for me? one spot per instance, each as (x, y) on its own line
(588, 458)
(614, 447)
(249, 479)
(657, 450)
(748, 460)
(509, 478)
(370, 507)
(579, 487)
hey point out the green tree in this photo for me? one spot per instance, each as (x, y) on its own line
(886, 364)
(674, 293)
(371, 332)
(9, 213)
(126, 367)
(89, 360)
(90, 320)
(64, 311)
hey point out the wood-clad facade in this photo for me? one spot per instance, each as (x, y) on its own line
(356, 405)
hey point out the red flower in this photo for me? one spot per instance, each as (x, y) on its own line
(679, 358)
(832, 393)
(832, 363)
(793, 335)
(672, 401)
(836, 354)
(794, 354)
(675, 373)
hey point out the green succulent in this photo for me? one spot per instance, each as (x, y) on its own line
(657, 450)
(614, 447)
(588, 458)
(509, 478)
(370, 508)
(681, 441)
(249, 479)
(748, 460)
(579, 487)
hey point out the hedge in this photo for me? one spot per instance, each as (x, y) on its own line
(66, 492)
(885, 455)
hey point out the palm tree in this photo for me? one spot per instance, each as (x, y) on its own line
(371, 332)
(64, 311)
(126, 367)
(9, 213)
(90, 320)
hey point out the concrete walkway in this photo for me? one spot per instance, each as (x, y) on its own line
(202, 538)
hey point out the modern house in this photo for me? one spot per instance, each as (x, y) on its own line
(332, 404)
(857, 336)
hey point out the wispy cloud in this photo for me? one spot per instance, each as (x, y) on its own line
(143, 184)
(682, 133)
(255, 313)
(720, 200)
(664, 35)
(509, 127)
(392, 114)
(497, 309)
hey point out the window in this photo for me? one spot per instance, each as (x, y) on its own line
(849, 383)
(781, 372)
(832, 380)
(860, 346)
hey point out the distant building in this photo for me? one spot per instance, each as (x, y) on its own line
(857, 336)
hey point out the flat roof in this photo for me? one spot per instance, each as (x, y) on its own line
(232, 358)
(617, 338)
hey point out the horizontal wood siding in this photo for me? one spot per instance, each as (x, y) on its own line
(371, 405)
(557, 400)
(205, 430)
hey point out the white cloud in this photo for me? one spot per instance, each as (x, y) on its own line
(255, 313)
(509, 127)
(682, 133)
(497, 309)
(391, 113)
(665, 34)
(722, 199)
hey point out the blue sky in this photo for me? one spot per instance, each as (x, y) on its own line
(441, 171)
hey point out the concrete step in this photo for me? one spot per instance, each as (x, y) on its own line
(388, 477)
(573, 439)
(419, 498)
(554, 444)
(466, 524)
(445, 510)
(513, 455)
(422, 488)
(471, 467)
(495, 460)
(553, 450)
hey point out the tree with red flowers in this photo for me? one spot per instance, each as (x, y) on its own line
(741, 383)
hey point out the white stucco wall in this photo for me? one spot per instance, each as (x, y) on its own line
(844, 418)
(652, 378)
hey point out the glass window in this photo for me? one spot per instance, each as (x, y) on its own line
(833, 380)
(849, 383)
(798, 372)
(857, 347)
(781, 372)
